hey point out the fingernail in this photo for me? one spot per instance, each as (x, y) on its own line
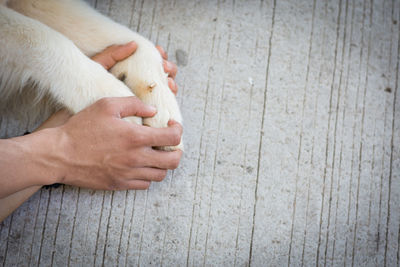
(131, 44)
(152, 109)
(170, 65)
(167, 64)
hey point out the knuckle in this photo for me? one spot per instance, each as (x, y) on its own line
(132, 159)
(103, 101)
(137, 137)
(107, 104)
(113, 185)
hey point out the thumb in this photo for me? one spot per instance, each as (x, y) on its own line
(123, 51)
(132, 106)
(113, 54)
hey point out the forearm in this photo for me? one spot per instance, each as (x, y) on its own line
(12, 202)
(31, 160)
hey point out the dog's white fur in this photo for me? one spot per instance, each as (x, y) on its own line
(48, 43)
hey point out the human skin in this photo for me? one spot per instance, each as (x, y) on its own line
(66, 149)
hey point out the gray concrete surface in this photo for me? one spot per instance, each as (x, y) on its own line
(292, 136)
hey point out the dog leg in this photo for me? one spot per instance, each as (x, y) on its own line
(92, 32)
(32, 52)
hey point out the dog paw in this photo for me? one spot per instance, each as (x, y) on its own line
(143, 73)
(167, 109)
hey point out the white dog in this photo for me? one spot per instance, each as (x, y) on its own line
(48, 43)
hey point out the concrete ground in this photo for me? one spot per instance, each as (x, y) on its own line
(292, 135)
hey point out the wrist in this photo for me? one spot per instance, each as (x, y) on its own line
(43, 156)
(17, 164)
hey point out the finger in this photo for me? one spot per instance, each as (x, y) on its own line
(112, 54)
(162, 52)
(132, 106)
(127, 106)
(158, 159)
(168, 136)
(104, 57)
(134, 185)
(148, 174)
(170, 68)
(166, 159)
(172, 85)
(123, 51)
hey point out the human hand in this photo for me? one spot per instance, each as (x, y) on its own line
(106, 152)
(124, 159)
(108, 58)
(112, 54)
(170, 68)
